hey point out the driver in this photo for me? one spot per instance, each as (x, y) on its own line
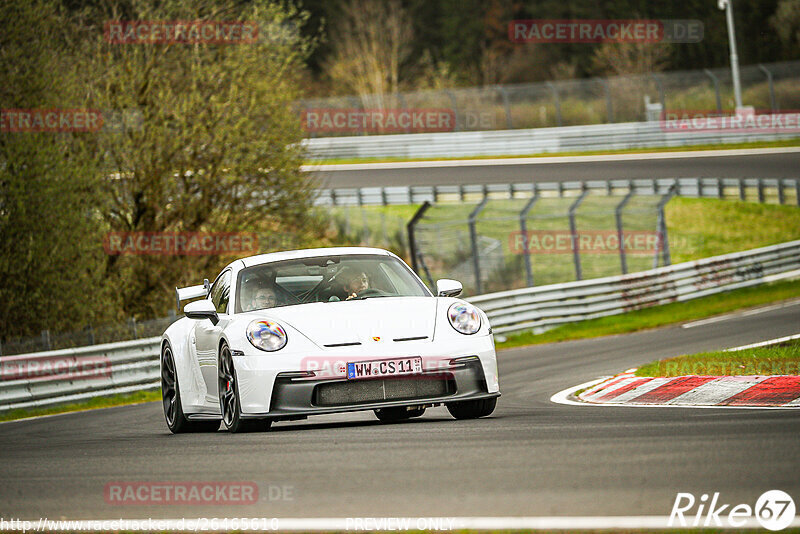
(264, 297)
(355, 282)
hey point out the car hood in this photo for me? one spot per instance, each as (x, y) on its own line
(337, 323)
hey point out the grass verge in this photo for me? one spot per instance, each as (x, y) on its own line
(97, 402)
(731, 146)
(661, 315)
(783, 359)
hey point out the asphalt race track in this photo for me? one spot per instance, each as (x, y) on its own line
(531, 458)
(768, 163)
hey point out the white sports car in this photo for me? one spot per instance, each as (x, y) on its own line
(286, 335)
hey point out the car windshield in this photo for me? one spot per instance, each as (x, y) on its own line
(325, 279)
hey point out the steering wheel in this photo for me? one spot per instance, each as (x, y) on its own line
(370, 292)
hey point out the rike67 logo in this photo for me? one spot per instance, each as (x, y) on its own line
(774, 510)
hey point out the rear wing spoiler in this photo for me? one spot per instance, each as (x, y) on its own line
(191, 292)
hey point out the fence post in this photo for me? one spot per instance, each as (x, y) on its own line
(556, 101)
(576, 256)
(412, 242)
(133, 328)
(620, 233)
(760, 190)
(46, 339)
(797, 190)
(454, 103)
(661, 228)
(523, 225)
(742, 194)
(716, 88)
(780, 191)
(661, 95)
(720, 189)
(507, 105)
(402, 100)
(768, 73)
(609, 105)
(473, 237)
(91, 335)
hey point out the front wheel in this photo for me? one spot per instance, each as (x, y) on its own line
(388, 415)
(472, 409)
(229, 405)
(177, 422)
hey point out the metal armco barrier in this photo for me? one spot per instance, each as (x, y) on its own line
(531, 141)
(47, 378)
(781, 190)
(540, 309)
(68, 375)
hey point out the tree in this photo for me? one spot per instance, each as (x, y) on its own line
(50, 262)
(217, 147)
(371, 42)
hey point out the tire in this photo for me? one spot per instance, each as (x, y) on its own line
(388, 415)
(177, 422)
(229, 405)
(472, 409)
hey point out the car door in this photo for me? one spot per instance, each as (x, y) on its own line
(207, 334)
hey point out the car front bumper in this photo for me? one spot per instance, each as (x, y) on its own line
(298, 397)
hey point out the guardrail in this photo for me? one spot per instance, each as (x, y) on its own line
(752, 189)
(69, 375)
(542, 308)
(56, 377)
(529, 141)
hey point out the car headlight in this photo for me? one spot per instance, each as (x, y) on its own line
(464, 318)
(266, 335)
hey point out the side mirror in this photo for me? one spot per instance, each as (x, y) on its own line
(448, 288)
(201, 309)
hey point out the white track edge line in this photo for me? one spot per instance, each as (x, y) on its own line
(764, 343)
(543, 160)
(739, 314)
(453, 522)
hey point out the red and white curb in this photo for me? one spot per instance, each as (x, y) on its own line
(757, 391)
(728, 392)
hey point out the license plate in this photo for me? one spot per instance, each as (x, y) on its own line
(378, 368)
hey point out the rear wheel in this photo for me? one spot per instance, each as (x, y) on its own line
(472, 409)
(171, 399)
(229, 405)
(401, 413)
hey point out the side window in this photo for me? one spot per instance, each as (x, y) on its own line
(221, 292)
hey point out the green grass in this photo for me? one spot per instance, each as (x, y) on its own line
(703, 227)
(97, 402)
(783, 359)
(661, 315)
(755, 144)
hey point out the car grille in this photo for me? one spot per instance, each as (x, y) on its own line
(387, 389)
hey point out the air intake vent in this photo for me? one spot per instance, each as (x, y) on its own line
(417, 338)
(390, 389)
(350, 344)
